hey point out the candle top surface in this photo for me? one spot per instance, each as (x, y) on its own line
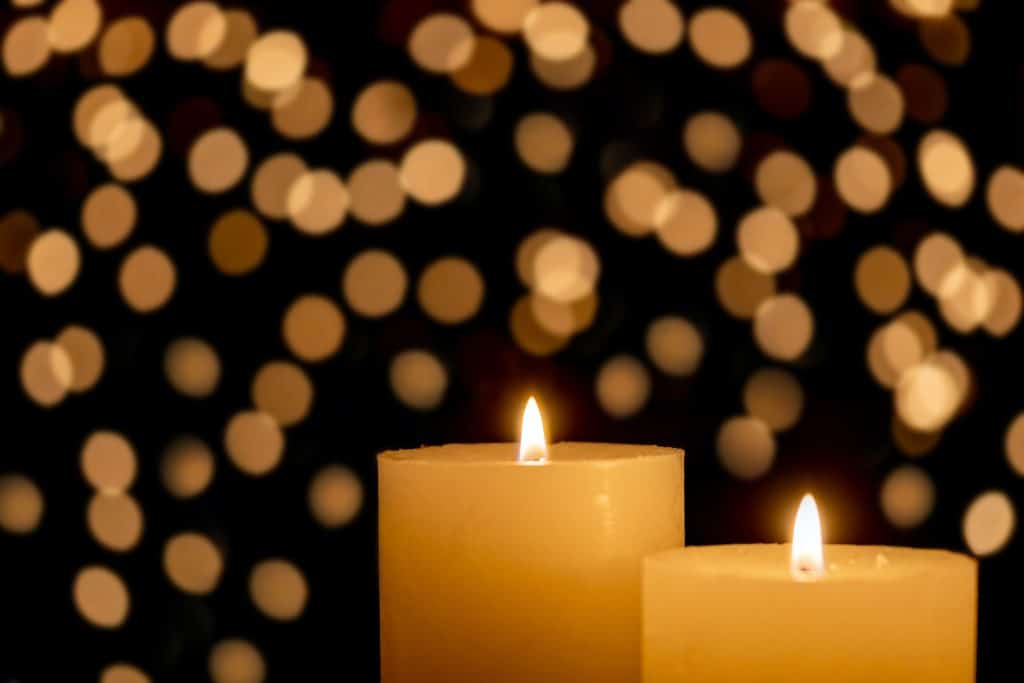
(564, 453)
(843, 563)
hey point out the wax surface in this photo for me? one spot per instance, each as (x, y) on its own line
(495, 571)
(731, 614)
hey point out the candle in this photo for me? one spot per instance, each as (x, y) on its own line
(520, 563)
(841, 614)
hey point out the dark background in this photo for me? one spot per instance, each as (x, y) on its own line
(635, 108)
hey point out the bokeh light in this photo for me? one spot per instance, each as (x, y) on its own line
(278, 589)
(101, 597)
(374, 283)
(418, 379)
(674, 345)
(746, 447)
(192, 367)
(989, 523)
(450, 290)
(335, 496)
(236, 661)
(775, 396)
(283, 391)
(108, 461)
(313, 328)
(254, 442)
(187, 467)
(21, 504)
(907, 497)
(193, 563)
(623, 386)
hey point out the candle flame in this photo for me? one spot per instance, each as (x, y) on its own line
(533, 447)
(807, 561)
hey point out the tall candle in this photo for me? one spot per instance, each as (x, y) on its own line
(519, 563)
(807, 613)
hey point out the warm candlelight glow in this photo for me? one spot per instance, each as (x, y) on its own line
(807, 562)
(533, 446)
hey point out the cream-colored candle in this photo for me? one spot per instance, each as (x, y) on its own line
(499, 568)
(803, 613)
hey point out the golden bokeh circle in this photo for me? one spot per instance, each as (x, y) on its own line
(377, 197)
(240, 33)
(418, 379)
(502, 16)
(882, 279)
(989, 523)
(384, 112)
(147, 279)
(878, 106)
(272, 181)
(488, 70)
(556, 31)
(632, 198)
(284, 391)
(236, 661)
(652, 26)
(85, 349)
(745, 447)
(442, 43)
(108, 462)
(450, 290)
(741, 289)
(940, 264)
(1005, 197)
(115, 521)
(192, 367)
(126, 46)
(187, 467)
(53, 262)
(21, 504)
(254, 442)
(712, 141)
(317, 202)
(276, 61)
(123, 673)
(529, 333)
(622, 386)
(767, 240)
(101, 597)
(108, 216)
(374, 283)
(1007, 304)
(783, 327)
(907, 497)
(685, 222)
(813, 29)
(855, 64)
(304, 110)
(313, 328)
(335, 496)
(432, 171)
(195, 31)
(217, 160)
(720, 37)
(238, 242)
(567, 75)
(775, 396)
(566, 269)
(26, 46)
(278, 589)
(74, 24)
(193, 563)
(946, 167)
(783, 179)
(544, 142)
(863, 179)
(927, 396)
(46, 373)
(674, 345)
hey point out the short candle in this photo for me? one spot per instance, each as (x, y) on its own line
(807, 612)
(520, 562)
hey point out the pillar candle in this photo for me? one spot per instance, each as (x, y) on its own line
(839, 613)
(499, 569)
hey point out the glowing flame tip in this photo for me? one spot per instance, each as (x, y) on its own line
(807, 562)
(533, 446)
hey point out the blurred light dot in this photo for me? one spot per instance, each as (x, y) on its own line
(989, 523)
(217, 160)
(863, 179)
(46, 373)
(193, 563)
(623, 386)
(907, 497)
(912, 442)
(946, 40)
(442, 43)
(317, 202)
(313, 328)
(566, 269)
(147, 279)
(783, 327)
(238, 242)
(105, 98)
(632, 198)
(544, 142)
(272, 181)
(276, 61)
(740, 288)
(526, 253)
(565, 75)
(855, 64)
(556, 31)
(195, 31)
(685, 222)
(418, 379)
(891, 153)
(384, 112)
(555, 317)
(954, 365)
(782, 88)
(940, 264)
(21, 504)
(284, 391)
(108, 216)
(971, 303)
(377, 197)
(450, 290)
(236, 661)
(101, 597)
(53, 261)
(1013, 444)
(922, 9)
(240, 33)
(115, 521)
(775, 396)
(1007, 303)
(85, 350)
(192, 367)
(877, 106)
(927, 397)
(26, 46)
(123, 673)
(720, 37)
(18, 229)
(767, 239)
(335, 496)
(254, 442)
(946, 167)
(882, 279)
(278, 589)
(304, 110)
(922, 328)
(674, 345)
(651, 26)
(784, 180)
(502, 16)
(432, 171)
(108, 462)
(892, 349)
(746, 447)
(74, 24)
(134, 150)
(813, 29)
(712, 141)
(126, 46)
(187, 467)
(374, 283)
(529, 333)
(925, 92)
(1005, 197)
(488, 70)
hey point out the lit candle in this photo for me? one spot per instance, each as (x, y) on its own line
(838, 613)
(520, 563)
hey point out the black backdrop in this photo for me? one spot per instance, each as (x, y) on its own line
(841, 449)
